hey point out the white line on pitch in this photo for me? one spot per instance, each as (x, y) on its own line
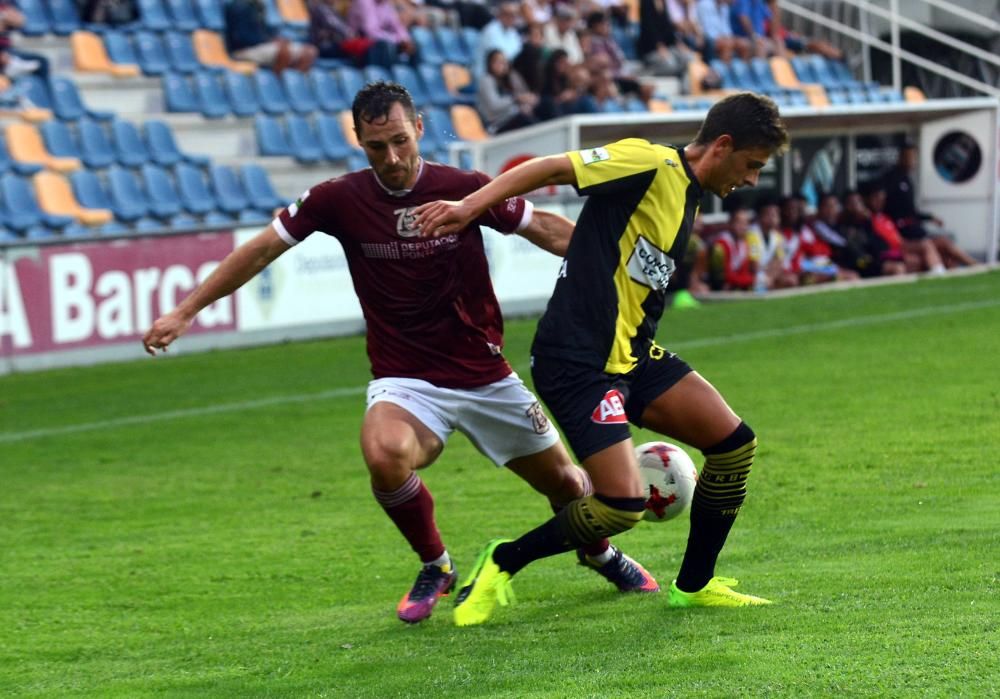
(359, 390)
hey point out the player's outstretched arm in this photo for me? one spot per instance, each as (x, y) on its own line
(551, 232)
(239, 267)
(439, 218)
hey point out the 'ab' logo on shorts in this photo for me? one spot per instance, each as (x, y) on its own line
(611, 409)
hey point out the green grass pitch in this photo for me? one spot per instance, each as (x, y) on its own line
(202, 526)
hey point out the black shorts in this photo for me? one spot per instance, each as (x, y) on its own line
(594, 408)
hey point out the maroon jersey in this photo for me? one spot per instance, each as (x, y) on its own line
(428, 302)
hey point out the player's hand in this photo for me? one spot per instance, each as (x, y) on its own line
(438, 218)
(165, 330)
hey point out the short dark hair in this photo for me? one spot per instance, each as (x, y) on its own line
(751, 120)
(595, 18)
(375, 100)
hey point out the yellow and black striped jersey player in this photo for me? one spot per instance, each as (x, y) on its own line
(594, 361)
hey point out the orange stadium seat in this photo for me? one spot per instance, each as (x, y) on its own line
(294, 11)
(455, 77)
(26, 146)
(785, 76)
(55, 196)
(211, 51)
(660, 106)
(468, 125)
(911, 93)
(347, 124)
(90, 56)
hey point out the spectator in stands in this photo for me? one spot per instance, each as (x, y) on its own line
(848, 254)
(716, 26)
(379, 20)
(604, 93)
(731, 267)
(901, 205)
(502, 34)
(14, 62)
(471, 13)
(749, 20)
(616, 10)
(806, 255)
(856, 227)
(332, 35)
(684, 17)
(661, 49)
(564, 88)
(785, 39)
(560, 33)
(920, 255)
(604, 53)
(110, 12)
(536, 12)
(529, 63)
(502, 98)
(767, 246)
(248, 38)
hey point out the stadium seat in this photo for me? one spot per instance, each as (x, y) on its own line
(303, 140)
(299, 92)
(128, 200)
(163, 148)
(180, 52)
(25, 145)
(242, 96)
(96, 150)
(34, 89)
(184, 222)
(89, 191)
(438, 129)
(374, 74)
(153, 16)
(218, 218)
(112, 228)
(210, 50)
(914, 94)
(8, 164)
(212, 102)
(468, 124)
(470, 39)
(55, 197)
(164, 202)
(351, 80)
(183, 15)
(626, 40)
(427, 46)
(67, 104)
(270, 94)
(346, 119)
(259, 188)
(210, 14)
(196, 197)
(229, 192)
(130, 149)
(459, 82)
(433, 80)
(331, 138)
(152, 54)
(178, 94)
(408, 78)
(39, 232)
(36, 19)
(64, 17)
(90, 56)
(329, 94)
(59, 140)
(293, 12)
(659, 106)
(452, 48)
(119, 48)
(22, 210)
(148, 225)
(803, 69)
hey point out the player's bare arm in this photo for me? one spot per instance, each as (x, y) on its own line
(551, 232)
(439, 218)
(239, 267)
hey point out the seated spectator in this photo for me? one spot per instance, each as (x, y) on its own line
(14, 62)
(659, 45)
(502, 33)
(767, 247)
(731, 267)
(502, 98)
(901, 206)
(750, 20)
(471, 13)
(332, 35)
(536, 12)
(616, 10)
(248, 38)
(379, 20)
(564, 88)
(560, 33)
(855, 225)
(716, 26)
(530, 61)
(604, 93)
(110, 12)
(849, 255)
(790, 41)
(806, 255)
(684, 17)
(919, 255)
(604, 53)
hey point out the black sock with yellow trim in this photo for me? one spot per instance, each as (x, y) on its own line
(718, 496)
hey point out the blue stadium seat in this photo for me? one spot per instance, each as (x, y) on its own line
(259, 188)
(153, 59)
(212, 102)
(148, 225)
(89, 191)
(329, 93)
(67, 104)
(22, 210)
(351, 80)
(303, 140)
(112, 228)
(77, 230)
(837, 96)
(182, 12)
(180, 51)
(183, 222)
(298, 90)
(270, 94)
(217, 218)
(438, 129)
(452, 48)
(241, 93)
(59, 140)
(120, 49)
(272, 17)
(9, 165)
(36, 19)
(427, 45)
(856, 95)
(164, 202)
(470, 39)
(210, 14)
(163, 148)
(229, 190)
(357, 161)
(436, 88)
(374, 74)
(254, 216)
(825, 75)
(196, 197)
(34, 89)
(331, 138)
(39, 232)
(128, 200)
(7, 236)
(408, 78)
(271, 138)
(626, 40)
(178, 94)
(761, 70)
(803, 70)
(742, 77)
(95, 146)
(64, 16)
(130, 149)
(153, 16)
(634, 104)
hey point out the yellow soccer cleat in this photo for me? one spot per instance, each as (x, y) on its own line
(717, 593)
(485, 587)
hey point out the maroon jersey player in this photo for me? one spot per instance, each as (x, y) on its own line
(434, 334)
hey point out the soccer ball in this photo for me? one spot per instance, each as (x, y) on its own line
(668, 477)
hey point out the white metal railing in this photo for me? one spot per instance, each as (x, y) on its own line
(893, 48)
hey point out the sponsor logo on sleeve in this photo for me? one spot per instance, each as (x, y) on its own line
(297, 204)
(594, 155)
(649, 265)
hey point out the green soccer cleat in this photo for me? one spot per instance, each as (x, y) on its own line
(717, 593)
(486, 586)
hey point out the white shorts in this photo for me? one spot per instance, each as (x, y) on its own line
(503, 419)
(265, 54)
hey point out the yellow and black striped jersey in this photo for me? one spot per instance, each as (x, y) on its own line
(634, 226)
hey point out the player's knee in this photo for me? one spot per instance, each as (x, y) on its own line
(389, 461)
(742, 439)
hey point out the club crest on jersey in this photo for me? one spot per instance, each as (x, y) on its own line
(649, 265)
(611, 409)
(297, 204)
(406, 223)
(594, 155)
